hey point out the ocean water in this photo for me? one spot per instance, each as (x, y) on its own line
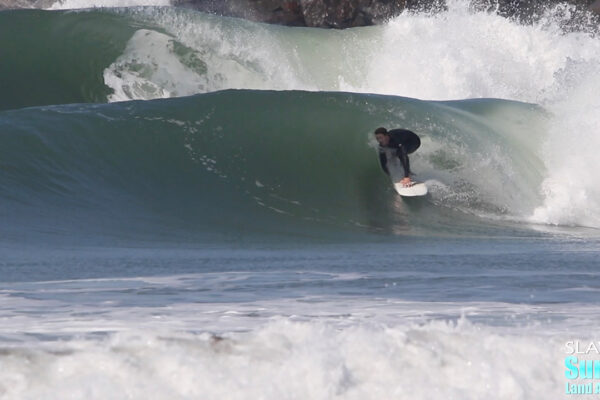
(191, 207)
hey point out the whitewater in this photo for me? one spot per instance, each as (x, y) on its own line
(192, 206)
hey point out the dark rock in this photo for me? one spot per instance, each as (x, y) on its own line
(377, 12)
(315, 12)
(312, 13)
(269, 11)
(426, 6)
(329, 13)
(349, 13)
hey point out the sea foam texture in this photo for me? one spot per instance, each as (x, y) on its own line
(290, 360)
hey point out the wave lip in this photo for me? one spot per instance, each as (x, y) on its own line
(156, 52)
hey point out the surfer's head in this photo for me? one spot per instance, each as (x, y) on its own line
(382, 136)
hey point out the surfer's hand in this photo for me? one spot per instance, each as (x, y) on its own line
(406, 182)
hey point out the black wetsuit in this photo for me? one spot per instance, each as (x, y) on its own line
(405, 142)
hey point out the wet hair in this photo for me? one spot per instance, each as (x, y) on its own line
(381, 131)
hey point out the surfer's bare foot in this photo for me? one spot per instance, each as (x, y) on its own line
(406, 182)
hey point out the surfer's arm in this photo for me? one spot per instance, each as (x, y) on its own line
(403, 156)
(383, 162)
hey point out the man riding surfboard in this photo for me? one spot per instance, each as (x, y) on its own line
(405, 142)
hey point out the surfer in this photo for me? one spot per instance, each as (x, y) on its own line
(404, 142)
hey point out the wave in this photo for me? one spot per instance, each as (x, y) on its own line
(111, 55)
(261, 160)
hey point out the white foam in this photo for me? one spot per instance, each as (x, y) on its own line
(316, 347)
(288, 360)
(572, 187)
(150, 68)
(460, 54)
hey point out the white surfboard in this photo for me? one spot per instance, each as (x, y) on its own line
(397, 173)
(415, 189)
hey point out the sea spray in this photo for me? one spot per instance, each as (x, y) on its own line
(572, 186)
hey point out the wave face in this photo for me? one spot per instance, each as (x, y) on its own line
(540, 163)
(274, 161)
(57, 58)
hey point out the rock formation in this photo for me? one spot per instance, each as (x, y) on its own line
(350, 13)
(312, 13)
